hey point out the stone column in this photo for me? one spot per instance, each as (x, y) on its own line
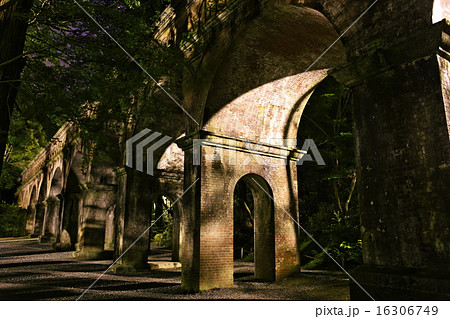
(176, 233)
(41, 209)
(31, 218)
(51, 220)
(110, 228)
(91, 237)
(132, 220)
(402, 122)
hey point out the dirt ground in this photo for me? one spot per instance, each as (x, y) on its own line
(32, 271)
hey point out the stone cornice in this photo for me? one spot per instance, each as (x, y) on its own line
(206, 138)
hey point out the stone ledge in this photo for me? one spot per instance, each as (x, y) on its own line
(164, 264)
(93, 255)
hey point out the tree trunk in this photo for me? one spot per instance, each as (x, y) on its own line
(13, 28)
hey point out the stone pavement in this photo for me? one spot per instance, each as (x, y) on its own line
(32, 271)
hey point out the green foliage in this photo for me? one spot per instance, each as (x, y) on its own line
(163, 237)
(250, 257)
(77, 73)
(162, 221)
(25, 140)
(12, 220)
(328, 207)
(377, 44)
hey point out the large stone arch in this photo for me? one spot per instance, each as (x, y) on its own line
(269, 73)
(252, 109)
(398, 72)
(135, 188)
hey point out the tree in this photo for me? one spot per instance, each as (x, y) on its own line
(328, 209)
(13, 28)
(76, 73)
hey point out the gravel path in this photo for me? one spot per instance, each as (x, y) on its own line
(32, 271)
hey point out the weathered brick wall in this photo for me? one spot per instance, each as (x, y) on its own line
(404, 148)
(208, 261)
(403, 151)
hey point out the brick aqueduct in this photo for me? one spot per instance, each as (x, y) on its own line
(250, 84)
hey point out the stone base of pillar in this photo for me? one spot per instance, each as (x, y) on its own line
(93, 254)
(62, 247)
(400, 284)
(47, 239)
(130, 268)
(64, 243)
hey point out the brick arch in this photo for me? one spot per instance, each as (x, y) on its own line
(384, 23)
(386, 20)
(267, 63)
(73, 201)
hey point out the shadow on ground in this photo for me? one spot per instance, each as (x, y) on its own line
(32, 271)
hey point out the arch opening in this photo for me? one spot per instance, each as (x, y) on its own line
(165, 232)
(254, 229)
(41, 208)
(328, 194)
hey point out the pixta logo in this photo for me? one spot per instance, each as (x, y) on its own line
(144, 142)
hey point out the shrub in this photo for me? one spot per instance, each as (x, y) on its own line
(163, 236)
(12, 220)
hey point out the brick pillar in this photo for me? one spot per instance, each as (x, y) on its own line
(207, 259)
(401, 115)
(207, 224)
(132, 219)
